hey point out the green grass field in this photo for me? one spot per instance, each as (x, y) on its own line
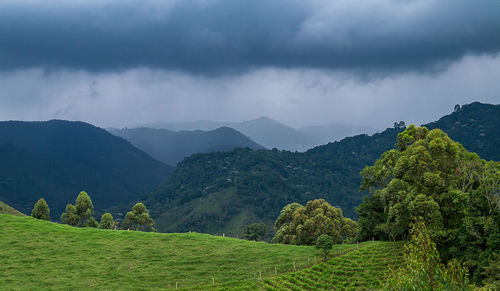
(362, 269)
(6, 209)
(41, 255)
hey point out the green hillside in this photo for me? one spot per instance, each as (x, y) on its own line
(6, 209)
(41, 255)
(363, 269)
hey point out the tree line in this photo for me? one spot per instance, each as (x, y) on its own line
(82, 215)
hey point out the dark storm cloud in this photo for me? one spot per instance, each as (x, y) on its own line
(210, 36)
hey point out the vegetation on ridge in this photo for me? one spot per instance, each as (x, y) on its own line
(222, 192)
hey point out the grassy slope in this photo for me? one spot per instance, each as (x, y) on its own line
(6, 209)
(363, 269)
(37, 254)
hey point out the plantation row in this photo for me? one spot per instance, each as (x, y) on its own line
(360, 269)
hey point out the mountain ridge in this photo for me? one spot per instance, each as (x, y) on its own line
(57, 159)
(170, 147)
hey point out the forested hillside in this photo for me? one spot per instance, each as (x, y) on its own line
(221, 192)
(58, 159)
(171, 147)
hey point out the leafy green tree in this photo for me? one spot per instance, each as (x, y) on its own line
(84, 208)
(325, 244)
(41, 210)
(70, 217)
(91, 222)
(138, 219)
(255, 231)
(433, 179)
(302, 225)
(107, 221)
(422, 269)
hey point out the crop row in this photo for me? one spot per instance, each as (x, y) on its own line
(357, 270)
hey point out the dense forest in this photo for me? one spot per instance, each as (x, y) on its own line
(222, 192)
(57, 159)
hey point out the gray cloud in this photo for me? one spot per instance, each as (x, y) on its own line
(297, 97)
(224, 36)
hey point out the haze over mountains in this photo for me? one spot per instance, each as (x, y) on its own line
(171, 147)
(273, 134)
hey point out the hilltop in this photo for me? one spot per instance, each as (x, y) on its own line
(57, 159)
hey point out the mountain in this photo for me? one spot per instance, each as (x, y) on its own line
(335, 132)
(170, 147)
(222, 192)
(57, 159)
(264, 131)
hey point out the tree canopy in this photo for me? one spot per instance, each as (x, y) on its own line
(138, 219)
(41, 210)
(433, 179)
(302, 225)
(107, 221)
(80, 214)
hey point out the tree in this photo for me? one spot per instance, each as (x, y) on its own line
(70, 217)
(91, 222)
(325, 244)
(422, 269)
(84, 208)
(41, 210)
(138, 219)
(433, 179)
(302, 225)
(255, 231)
(81, 213)
(107, 221)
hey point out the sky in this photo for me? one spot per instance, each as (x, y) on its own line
(117, 63)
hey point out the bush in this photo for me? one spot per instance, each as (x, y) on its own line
(422, 269)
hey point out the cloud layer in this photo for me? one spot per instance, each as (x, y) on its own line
(214, 37)
(296, 97)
